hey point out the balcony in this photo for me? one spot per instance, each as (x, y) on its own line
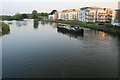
(90, 18)
(101, 18)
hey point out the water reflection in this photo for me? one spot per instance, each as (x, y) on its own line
(4, 33)
(51, 23)
(55, 25)
(44, 22)
(71, 34)
(35, 24)
(92, 32)
(10, 23)
(89, 54)
(21, 23)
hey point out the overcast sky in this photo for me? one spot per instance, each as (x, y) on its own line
(11, 7)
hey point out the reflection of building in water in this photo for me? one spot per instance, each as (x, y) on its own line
(95, 32)
(44, 22)
(55, 25)
(71, 34)
(50, 23)
(102, 34)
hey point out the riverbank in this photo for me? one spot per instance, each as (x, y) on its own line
(106, 27)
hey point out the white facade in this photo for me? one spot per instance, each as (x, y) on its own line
(59, 15)
(116, 23)
(70, 14)
(87, 15)
(82, 16)
(63, 16)
(52, 17)
(116, 18)
(93, 14)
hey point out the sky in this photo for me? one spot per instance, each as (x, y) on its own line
(10, 7)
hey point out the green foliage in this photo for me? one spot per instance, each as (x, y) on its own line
(90, 22)
(4, 27)
(43, 14)
(34, 14)
(18, 16)
(36, 24)
(109, 25)
(7, 17)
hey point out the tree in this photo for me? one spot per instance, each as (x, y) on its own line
(25, 15)
(4, 28)
(18, 16)
(34, 14)
(53, 12)
(43, 14)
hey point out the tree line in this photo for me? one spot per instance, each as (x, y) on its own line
(19, 16)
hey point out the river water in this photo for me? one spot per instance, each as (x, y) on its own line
(39, 50)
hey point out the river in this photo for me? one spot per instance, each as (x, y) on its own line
(39, 50)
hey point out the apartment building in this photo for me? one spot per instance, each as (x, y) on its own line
(59, 13)
(94, 14)
(116, 18)
(70, 14)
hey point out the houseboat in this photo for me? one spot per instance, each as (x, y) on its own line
(74, 29)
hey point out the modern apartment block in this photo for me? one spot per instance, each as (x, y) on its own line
(59, 13)
(94, 14)
(70, 14)
(116, 18)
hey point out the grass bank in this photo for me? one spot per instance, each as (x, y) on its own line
(106, 27)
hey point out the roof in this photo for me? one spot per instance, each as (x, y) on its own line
(70, 10)
(92, 8)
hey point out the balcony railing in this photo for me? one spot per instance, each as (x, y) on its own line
(90, 18)
(90, 15)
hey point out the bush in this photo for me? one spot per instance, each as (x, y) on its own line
(109, 25)
(4, 27)
(90, 22)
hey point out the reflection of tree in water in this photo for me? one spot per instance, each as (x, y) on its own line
(55, 25)
(44, 22)
(10, 23)
(51, 23)
(35, 24)
(4, 33)
(21, 23)
(71, 34)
